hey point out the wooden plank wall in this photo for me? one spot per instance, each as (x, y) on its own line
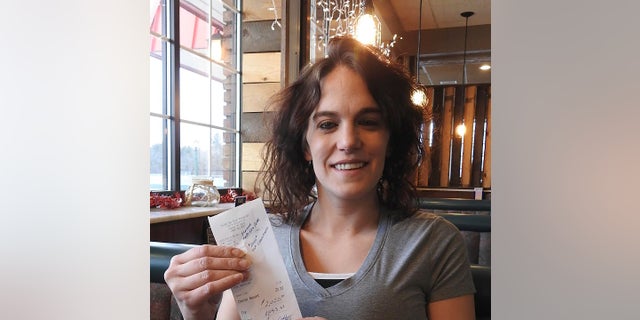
(261, 63)
(451, 161)
(455, 161)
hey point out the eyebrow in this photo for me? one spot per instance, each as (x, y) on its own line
(367, 110)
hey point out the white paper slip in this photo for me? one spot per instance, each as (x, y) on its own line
(268, 293)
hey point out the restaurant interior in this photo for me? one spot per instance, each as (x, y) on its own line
(82, 149)
(444, 45)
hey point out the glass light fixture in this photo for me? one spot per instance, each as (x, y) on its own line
(356, 18)
(367, 25)
(418, 97)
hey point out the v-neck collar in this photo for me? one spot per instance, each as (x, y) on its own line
(344, 285)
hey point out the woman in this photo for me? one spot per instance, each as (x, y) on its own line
(360, 250)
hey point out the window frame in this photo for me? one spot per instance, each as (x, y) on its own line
(171, 67)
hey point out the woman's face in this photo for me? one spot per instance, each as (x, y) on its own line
(347, 138)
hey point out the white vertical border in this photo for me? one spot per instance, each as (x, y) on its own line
(75, 104)
(566, 228)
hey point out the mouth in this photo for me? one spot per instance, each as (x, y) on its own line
(349, 166)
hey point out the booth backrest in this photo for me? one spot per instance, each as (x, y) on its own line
(468, 222)
(162, 304)
(162, 252)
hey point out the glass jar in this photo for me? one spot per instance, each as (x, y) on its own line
(202, 193)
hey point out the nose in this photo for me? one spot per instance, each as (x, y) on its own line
(349, 138)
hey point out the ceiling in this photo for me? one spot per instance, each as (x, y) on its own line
(436, 14)
(442, 39)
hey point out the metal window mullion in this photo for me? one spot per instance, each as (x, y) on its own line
(209, 76)
(165, 107)
(163, 116)
(210, 126)
(238, 164)
(237, 10)
(161, 37)
(204, 56)
(175, 89)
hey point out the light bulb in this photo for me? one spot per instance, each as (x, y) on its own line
(418, 97)
(461, 130)
(367, 29)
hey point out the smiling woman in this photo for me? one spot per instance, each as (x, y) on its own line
(384, 88)
(348, 128)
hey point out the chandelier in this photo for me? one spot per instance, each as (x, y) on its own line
(348, 17)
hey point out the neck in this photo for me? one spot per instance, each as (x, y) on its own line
(330, 217)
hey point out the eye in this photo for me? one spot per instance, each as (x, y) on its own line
(327, 125)
(370, 122)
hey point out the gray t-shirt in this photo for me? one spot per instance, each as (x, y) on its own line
(412, 262)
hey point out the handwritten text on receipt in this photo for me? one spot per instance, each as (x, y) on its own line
(268, 293)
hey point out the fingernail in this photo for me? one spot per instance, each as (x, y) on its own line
(237, 252)
(244, 263)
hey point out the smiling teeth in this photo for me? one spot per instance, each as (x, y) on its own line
(349, 166)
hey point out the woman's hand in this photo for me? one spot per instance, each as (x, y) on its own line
(198, 277)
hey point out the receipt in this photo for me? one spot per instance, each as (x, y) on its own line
(268, 293)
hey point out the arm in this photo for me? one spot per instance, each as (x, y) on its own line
(228, 310)
(198, 277)
(458, 308)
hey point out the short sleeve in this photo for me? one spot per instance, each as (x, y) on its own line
(451, 270)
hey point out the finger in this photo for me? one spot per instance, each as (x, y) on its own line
(200, 279)
(207, 264)
(206, 257)
(204, 293)
(207, 251)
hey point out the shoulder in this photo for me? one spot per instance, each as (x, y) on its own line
(426, 219)
(425, 226)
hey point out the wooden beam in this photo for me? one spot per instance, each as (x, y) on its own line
(445, 146)
(436, 150)
(261, 67)
(486, 175)
(252, 156)
(456, 145)
(469, 113)
(425, 166)
(256, 95)
(478, 148)
(255, 10)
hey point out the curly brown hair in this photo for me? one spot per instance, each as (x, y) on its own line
(289, 178)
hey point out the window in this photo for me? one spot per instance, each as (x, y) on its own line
(195, 92)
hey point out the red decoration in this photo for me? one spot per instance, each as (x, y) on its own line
(165, 202)
(232, 194)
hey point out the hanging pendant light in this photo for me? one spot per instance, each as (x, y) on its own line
(466, 16)
(461, 128)
(418, 96)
